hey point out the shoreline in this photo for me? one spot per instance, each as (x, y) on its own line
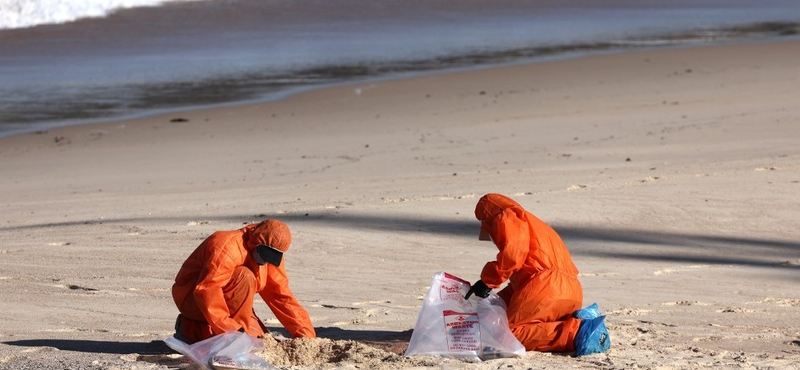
(671, 175)
(173, 97)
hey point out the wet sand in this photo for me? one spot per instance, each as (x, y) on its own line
(185, 55)
(672, 175)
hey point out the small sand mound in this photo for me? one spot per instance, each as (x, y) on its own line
(316, 351)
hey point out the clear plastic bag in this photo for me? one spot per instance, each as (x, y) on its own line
(451, 326)
(231, 350)
(496, 338)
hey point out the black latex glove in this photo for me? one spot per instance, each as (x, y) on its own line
(479, 289)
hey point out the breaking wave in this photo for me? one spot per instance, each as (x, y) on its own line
(29, 13)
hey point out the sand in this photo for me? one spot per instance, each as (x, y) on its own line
(672, 175)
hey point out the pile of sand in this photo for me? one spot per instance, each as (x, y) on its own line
(317, 351)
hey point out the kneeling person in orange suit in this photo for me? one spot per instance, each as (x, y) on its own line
(215, 288)
(544, 295)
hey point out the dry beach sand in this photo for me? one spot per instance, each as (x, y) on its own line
(672, 175)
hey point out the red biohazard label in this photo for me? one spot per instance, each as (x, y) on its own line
(449, 291)
(456, 278)
(452, 291)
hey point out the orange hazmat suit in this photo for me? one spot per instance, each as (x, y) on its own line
(215, 288)
(543, 289)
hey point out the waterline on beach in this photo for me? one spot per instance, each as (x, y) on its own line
(37, 107)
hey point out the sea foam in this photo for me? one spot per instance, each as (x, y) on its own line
(29, 13)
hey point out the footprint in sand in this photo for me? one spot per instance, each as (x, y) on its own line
(396, 200)
(597, 274)
(629, 311)
(767, 168)
(686, 303)
(783, 302)
(39, 349)
(735, 310)
(458, 197)
(370, 303)
(712, 338)
(149, 289)
(672, 270)
(335, 307)
(75, 287)
(666, 271)
(173, 360)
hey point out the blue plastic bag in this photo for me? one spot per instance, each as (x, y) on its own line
(588, 313)
(592, 336)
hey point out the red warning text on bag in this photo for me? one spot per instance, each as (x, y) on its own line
(462, 330)
(452, 291)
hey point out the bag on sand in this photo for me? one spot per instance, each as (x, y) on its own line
(451, 326)
(228, 351)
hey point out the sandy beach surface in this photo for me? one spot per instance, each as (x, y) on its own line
(672, 175)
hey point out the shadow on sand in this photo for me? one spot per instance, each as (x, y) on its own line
(607, 242)
(154, 352)
(155, 347)
(157, 352)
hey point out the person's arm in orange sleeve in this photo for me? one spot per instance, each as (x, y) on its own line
(215, 275)
(510, 235)
(287, 310)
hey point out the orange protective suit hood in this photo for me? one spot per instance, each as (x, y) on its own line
(491, 205)
(269, 232)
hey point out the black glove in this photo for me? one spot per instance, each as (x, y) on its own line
(479, 289)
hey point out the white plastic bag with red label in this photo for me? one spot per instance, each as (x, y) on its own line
(451, 326)
(227, 351)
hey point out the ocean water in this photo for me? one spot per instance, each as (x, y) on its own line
(28, 13)
(68, 62)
